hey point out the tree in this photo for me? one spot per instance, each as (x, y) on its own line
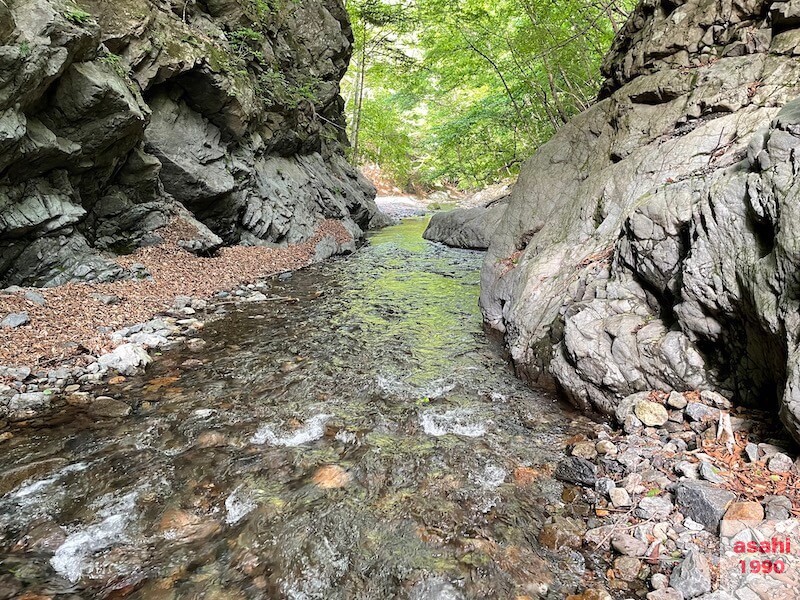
(461, 91)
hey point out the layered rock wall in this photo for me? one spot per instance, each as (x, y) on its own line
(653, 242)
(117, 118)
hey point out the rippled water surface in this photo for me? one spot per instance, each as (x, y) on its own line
(363, 441)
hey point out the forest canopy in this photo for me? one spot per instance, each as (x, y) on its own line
(459, 92)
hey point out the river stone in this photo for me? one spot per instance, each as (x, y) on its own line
(606, 448)
(703, 502)
(577, 470)
(620, 497)
(692, 576)
(627, 568)
(710, 473)
(665, 594)
(127, 359)
(628, 545)
(651, 413)
(780, 463)
(35, 297)
(105, 406)
(659, 581)
(677, 400)
(778, 508)
(16, 373)
(697, 411)
(585, 450)
(30, 401)
(15, 320)
(655, 507)
(744, 511)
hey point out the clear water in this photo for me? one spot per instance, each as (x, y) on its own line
(364, 441)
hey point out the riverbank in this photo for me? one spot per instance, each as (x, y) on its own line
(59, 340)
(670, 490)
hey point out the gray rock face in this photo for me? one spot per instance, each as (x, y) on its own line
(114, 127)
(653, 242)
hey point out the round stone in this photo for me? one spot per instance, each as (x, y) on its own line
(651, 414)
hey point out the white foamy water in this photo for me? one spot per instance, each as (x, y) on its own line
(459, 422)
(36, 487)
(492, 477)
(314, 429)
(238, 506)
(73, 557)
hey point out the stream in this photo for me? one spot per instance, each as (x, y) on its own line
(364, 441)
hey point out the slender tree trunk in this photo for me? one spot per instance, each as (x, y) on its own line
(359, 102)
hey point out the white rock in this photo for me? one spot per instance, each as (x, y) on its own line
(127, 359)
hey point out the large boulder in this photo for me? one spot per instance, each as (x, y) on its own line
(470, 228)
(652, 243)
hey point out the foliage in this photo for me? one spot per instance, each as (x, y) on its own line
(115, 62)
(461, 91)
(77, 16)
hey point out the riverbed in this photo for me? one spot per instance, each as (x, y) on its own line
(355, 436)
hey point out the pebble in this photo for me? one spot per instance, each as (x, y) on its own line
(709, 473)
(627, 568)
(620, 497)
(651, 413)
(692, 577)
(627, 545)
(659, 581)
(780, 463)
(15, 320)
(677, 400)
(606, 448)
(604, 486)
(577, 470)
(584, 450)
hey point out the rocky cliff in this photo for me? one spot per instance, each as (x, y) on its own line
(222, 117)
(654, 242)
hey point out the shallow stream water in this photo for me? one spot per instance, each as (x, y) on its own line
(365, 440)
